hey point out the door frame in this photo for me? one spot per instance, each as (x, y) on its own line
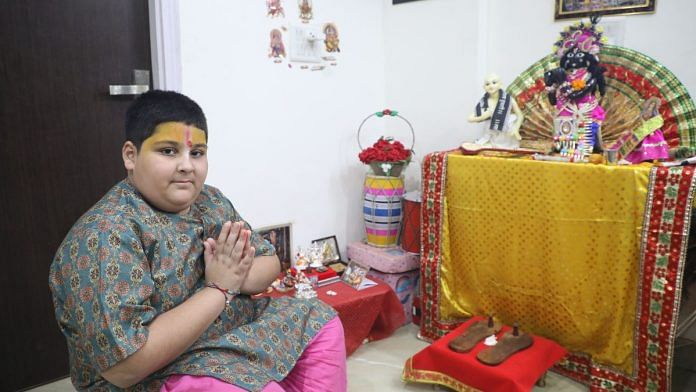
(165, 44)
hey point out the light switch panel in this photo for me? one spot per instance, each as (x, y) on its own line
(306, 43)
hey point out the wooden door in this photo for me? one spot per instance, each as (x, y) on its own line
(60, 139)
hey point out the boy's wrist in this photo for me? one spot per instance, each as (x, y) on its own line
(229, 294)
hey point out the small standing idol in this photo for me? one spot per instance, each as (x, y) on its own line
(573, 88)
(315, 256)
(303, 287)
(499, 111)
(301, 261)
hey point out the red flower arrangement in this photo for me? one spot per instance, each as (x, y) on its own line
(386, 149)
(387, 157)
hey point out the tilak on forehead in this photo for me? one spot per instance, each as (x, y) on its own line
(187, 137)
(178, 132)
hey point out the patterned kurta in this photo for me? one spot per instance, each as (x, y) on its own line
(123, 263)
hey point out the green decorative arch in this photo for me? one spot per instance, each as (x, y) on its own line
(633, 75)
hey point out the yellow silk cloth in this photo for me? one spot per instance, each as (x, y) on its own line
(553, 246)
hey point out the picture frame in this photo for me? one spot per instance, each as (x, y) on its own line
(569, 9)
(565, 126)
(280, 236)
(395, 2)
(355, 274)
(329, 249)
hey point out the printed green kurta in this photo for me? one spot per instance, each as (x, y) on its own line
(124, 262)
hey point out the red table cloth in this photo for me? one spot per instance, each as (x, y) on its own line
(437, 364)
(373, 313)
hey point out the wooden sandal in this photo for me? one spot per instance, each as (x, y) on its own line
(474, 334)
(510, 343)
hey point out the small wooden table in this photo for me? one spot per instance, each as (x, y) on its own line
(373, 313)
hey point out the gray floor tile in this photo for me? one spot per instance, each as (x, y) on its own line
(377, 366)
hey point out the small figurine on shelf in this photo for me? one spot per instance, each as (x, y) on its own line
(572, 87)
(315, 256)
(301, 261)
(502, 130)
(301, 277)
(651, 142)
(289, 280)
(303, 287)
(286, 283)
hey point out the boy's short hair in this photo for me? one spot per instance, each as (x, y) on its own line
(156, 107)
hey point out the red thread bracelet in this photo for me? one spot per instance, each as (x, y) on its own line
(224, 291)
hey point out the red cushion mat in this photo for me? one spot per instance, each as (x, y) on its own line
(437, 364)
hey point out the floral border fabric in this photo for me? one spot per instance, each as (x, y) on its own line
(429, 377)
(663, 251)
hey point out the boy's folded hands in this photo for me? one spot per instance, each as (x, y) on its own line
(228, 259)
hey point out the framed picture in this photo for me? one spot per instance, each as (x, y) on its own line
(279, 237)
(565, 126)
(355, 274)
(566, 9)
(329, 249)
(394, 2)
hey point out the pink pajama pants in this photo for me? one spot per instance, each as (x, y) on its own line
(321, 367)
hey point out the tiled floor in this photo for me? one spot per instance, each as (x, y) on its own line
(63, 385)
(377, 367)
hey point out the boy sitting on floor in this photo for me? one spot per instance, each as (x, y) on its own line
(151, 286)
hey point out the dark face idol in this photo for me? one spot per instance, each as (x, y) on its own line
(576, 59)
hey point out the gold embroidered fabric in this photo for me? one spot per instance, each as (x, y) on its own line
(553, 246)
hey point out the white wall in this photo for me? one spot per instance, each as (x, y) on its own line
(283, 141)
(521, 32)
(438, 52)
(431, 57)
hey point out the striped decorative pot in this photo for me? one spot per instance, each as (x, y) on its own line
(382, 209)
